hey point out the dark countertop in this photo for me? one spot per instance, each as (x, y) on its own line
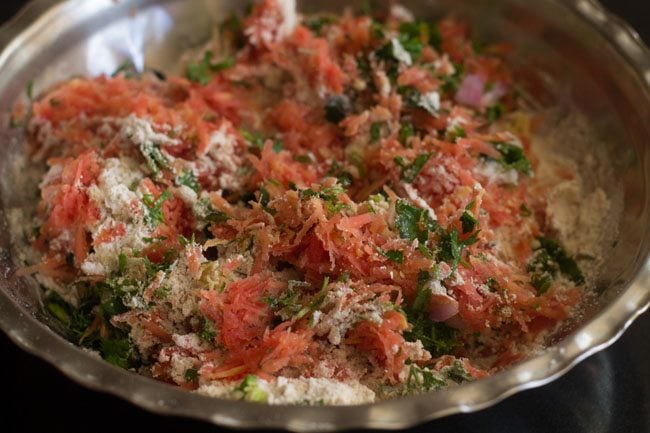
(607, 393)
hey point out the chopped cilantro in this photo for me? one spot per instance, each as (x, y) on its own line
(250, 390)
(413, 222)
(153, 208)
(287, 299)
(456, 133)
(98, 301)
(406, 131)
(162, 292)
(422, 380)
(395, 52)
(493, 284)
(191, 375)
(457, 372)
(121, 263)
(377, 30)
(278, 145)
(468, 222)
(156, 160)
(329, 195)
(494, 112)
(392, 255)
(317, 301)
(435, 38)
(208, 332)
(513, 156)
(450, 247)
(316, 23)
(116, 351)
(29, 90)
(202, 71)
(344, 177)
(525, 210)
(255, 139)
(148, 240)
(549, 259)
(450, 83)
(375, 131)
(303, 159)
(436, 337)
(126, 68)
(204, 210)
(411, 171)
(541, 282)
(183, 241)
(265, 197)
(59, 312)
(188, 179)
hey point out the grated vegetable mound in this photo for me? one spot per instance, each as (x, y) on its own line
(323, 209)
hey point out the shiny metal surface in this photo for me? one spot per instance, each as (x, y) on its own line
(597, 62)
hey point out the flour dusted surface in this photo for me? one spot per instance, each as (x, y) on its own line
(309, 391)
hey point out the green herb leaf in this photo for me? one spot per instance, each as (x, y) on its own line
(316, 23)
(525, 210)
(456, 133)
(250, 390)
(303, 159)
(116, 351)
(59, 311)
(329, 195)
(423, 380)
(551, 258)
(208, 332)
(468, 222)
(204, 211)
(406, 131)
(410, 171)
(278, 145)
(513, 156)
(392, 255)
(127, 68)
(450, 83)
(255, 139)
(29, 90)
(436, 337)
(153, 208)
(183, 241)
(541, 282)
(287, 299)
(413, 222)
(156, 160)
(121, 263)
(494, 113)
(188, 179)
(191, 375)
(457, 372)
(375, 131)
(202, 71)
(344, 177)
(450, 247)
(317, 301)
(493, 284)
